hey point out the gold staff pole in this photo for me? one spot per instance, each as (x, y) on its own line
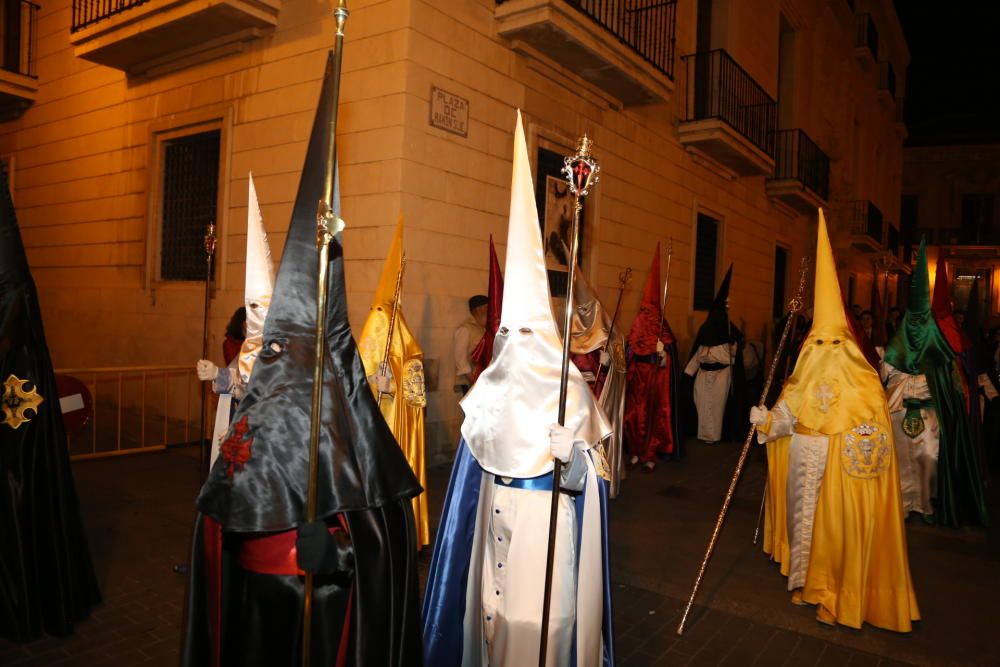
(206, 447)
(392, 322)
(794, 306)
(581, 172)
(327, 224)
(624, 278)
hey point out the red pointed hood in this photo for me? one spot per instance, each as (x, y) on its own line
(941, 308)
(483, 354)
(646, 326)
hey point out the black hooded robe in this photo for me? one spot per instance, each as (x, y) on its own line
(257, 491)
(47, 581)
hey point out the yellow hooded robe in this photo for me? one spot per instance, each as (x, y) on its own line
(850, 533)
(404, 408)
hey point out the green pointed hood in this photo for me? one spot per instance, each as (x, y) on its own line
(918, 345)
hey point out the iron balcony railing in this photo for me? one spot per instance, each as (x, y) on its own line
(958, 236)
(20, 37)
(867, 35)
(89, 12)
(648, 27)
(865, 218)
(719, 88)
(798, 157)
(887, 78)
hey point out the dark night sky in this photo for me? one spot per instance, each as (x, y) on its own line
(953, 83)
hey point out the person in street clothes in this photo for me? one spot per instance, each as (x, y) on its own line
(464, 341)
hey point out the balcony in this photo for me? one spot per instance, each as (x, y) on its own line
(801, 172)
(18, 79)
(886, 84)
(625, 48)
(866, 225)
(150, 37)
(865, 40)
(729, 117)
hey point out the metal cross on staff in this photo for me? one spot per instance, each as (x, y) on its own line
(581, 171)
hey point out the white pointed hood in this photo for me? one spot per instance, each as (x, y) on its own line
(509, 409)
(259, 284)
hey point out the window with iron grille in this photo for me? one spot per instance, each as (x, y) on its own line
(189, 203)
(706, 249)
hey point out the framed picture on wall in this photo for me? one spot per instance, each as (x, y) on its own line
(555, 213)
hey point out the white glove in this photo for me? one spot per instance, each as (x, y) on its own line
(758, 415)
(206, 370)
(561, 442)
(605, 358)
(384, 384)
(659, 347)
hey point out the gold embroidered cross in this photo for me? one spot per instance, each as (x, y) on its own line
(16, 401)
(825, 395)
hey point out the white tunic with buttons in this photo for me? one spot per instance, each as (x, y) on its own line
(512, 529)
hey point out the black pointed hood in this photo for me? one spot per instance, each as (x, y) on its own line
(715, 330)
(48, 582)
(259, 482)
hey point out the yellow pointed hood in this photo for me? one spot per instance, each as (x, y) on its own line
(385, 293)
(833, 388)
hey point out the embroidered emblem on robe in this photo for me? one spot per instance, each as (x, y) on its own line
(236, 450)
(17, 401)
(865, 453)
(913, 422)
(413, 383)
(826, 395)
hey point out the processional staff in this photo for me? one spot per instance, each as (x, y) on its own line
(581, 171)
(327, 224)
(209, 243)
(794, 306)
(624, 278)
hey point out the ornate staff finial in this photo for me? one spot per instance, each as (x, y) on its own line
(581, 169)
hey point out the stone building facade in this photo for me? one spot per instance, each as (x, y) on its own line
(950, 197)
(720, 125)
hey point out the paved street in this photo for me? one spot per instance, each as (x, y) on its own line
(139, 510)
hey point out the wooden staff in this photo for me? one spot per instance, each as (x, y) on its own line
(206, 447)
(794, 306)
(581, 171)
(392, 322)
(327, 224)
(623, 279)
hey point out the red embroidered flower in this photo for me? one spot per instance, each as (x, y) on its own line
(234, 449)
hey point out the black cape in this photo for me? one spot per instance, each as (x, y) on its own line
(259, 482)
(47, 582)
